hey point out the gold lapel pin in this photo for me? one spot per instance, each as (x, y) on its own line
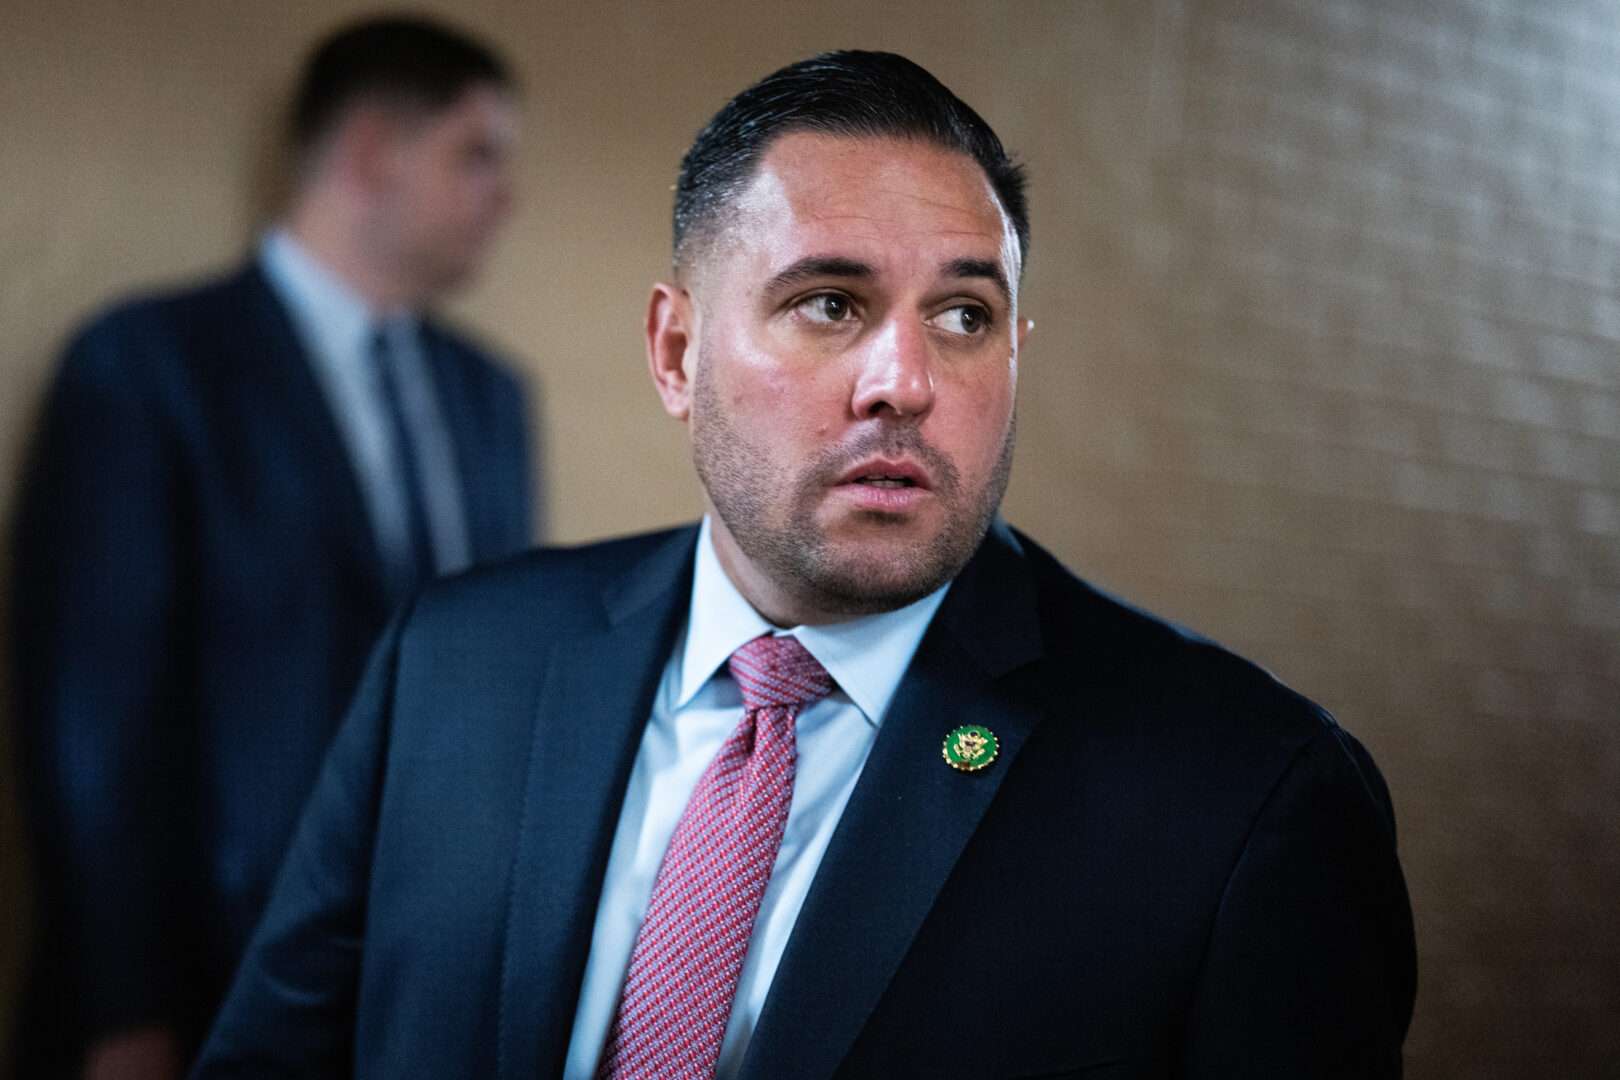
(970, 748)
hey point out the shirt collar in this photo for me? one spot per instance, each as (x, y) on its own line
(866, 657)
(325, 306)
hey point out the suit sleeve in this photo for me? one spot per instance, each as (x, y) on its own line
(291, 1008)
(1311, 967)
(101, 700)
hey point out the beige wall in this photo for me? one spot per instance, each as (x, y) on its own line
(1326, 359)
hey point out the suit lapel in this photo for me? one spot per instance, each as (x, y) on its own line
(597, 695)
(279, 376)
(907, 821)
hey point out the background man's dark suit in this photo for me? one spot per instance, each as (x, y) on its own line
(1176, 867)
(197, 588)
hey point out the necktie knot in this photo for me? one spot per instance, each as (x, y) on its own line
(779, 671)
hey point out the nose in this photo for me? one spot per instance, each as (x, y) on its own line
(896, 376)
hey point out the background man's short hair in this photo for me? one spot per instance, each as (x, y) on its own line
(403, 60)
(836, 93)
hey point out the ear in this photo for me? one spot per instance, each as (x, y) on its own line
(1024, 327)
(671, 346)
(363, 146)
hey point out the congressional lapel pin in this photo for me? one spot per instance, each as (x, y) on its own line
(970, 748)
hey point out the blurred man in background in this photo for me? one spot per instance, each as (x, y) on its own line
(232, 486)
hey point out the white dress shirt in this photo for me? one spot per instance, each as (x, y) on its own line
(335, 326)
(696, 708)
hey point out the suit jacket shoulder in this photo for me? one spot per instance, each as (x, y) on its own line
(145, 344)
(557, 591)
(1188, 679)
(1209, 710)
(484, 361)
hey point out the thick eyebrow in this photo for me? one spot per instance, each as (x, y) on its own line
(836, 266)
(979, 268)
(818, 266)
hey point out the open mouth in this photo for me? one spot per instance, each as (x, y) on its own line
(886, 475)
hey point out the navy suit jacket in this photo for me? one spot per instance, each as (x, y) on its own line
(1176, 867)
(197, 586)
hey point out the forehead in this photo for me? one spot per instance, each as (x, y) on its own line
(885, 201)
(483, 110)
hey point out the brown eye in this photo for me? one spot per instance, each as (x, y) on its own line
(967, 320)
(826, 307)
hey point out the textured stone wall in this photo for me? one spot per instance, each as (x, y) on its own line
(1395, 364)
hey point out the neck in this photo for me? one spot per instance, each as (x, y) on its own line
(335, 235)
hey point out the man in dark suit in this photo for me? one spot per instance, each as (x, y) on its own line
(232, 486)
(852, 779)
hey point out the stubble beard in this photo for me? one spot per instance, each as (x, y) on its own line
(748, 495)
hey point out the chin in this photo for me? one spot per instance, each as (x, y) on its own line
(866, 581)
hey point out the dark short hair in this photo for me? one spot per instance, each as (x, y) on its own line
(836, 93)
(403, 60)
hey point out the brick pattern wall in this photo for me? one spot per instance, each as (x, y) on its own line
(1385, 452)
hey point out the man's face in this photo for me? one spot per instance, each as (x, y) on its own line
(849, 365)
(450, 187)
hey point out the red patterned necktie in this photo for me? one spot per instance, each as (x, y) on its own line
(684, 970)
